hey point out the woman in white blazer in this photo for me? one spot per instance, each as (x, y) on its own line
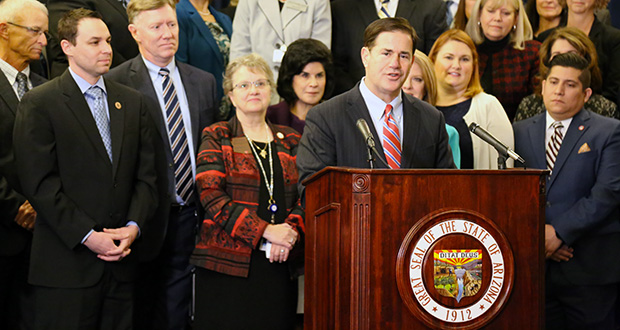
(462, 101)
(267, 27)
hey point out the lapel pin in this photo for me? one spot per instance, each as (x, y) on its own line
(581, 127)
(280, 135)
(117, 105)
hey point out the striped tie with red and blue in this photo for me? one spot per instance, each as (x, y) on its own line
(391, 139)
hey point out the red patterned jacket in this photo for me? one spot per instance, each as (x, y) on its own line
(514, 74)
(228, 180)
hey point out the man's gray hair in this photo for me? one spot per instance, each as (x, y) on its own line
(11, 9)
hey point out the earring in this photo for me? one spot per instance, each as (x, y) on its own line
(514, 27)
(478, 23)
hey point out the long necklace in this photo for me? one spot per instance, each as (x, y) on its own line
(272, 207)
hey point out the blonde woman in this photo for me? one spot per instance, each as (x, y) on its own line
(251, 239)
(508, 55)
(422, 84)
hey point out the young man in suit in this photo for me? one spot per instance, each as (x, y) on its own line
(582, 231)
(84, 153)
(21, 42)
(351, 17)
(114, 16)
(331, 137)
(164, 294)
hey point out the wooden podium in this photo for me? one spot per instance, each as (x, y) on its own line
(388, 249)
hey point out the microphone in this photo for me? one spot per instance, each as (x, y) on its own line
(362, 126)
(501, 148)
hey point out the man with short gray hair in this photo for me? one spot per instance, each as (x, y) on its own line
(23, 29)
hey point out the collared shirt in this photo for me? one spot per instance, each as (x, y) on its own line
(391, 7)
(84, 85)
(157, 80)
(549, 127)
(376, 109)
(11, 75)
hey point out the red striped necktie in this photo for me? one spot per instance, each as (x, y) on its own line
(391, 139)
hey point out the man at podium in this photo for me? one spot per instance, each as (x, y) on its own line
(409, 133)
(582, 234)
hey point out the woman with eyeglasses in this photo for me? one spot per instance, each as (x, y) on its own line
(250, 246)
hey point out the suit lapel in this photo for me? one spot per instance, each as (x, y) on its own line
(271, 10)
(75, 101)
(288, 13)
(193, 100)
(577, 128)
(357, 109)
(206, 34)
(536, 132)
(117, 123)
(411, 123)
(8, 94)
(139, 76)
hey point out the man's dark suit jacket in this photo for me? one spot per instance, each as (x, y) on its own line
(200, 91)
(114, 16)
(13, 238)
(350, 19)
(583, 193)
(331, 138)
(66, 174)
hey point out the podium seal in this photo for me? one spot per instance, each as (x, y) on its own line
(455, 270)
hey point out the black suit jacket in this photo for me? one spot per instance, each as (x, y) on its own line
(331, 138)
(583, 193)
(350, 19)
(115, 17)
(200, 91)
(13, 238)
(66, 174)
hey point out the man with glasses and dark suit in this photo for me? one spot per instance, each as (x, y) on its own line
(23, 27)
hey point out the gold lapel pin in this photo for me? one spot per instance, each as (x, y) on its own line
(117, 105)
(581, 128)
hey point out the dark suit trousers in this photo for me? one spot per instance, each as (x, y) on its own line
(16, 301)
(107, 305)
(164, 286)
(570, 306)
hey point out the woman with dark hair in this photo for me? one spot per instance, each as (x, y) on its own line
(305, 77)
(566, 40)
(545, 14)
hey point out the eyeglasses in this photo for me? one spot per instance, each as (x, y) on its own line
(259, 84)
(35, 31)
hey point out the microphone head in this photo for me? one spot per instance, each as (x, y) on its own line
(473, 127)
(360, 123)
(362, 126)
